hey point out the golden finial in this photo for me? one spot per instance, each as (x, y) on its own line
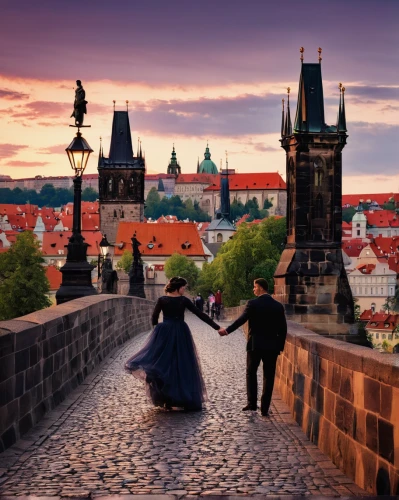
(283, 101)
(288, 90)
(340, 86)
(114, 104)
(301, 50)
(319, 51)
(343, 90)
(101, 139)
(127, 105)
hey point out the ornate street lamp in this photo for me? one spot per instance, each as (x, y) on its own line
(76, 273)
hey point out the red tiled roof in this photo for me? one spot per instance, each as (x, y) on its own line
(198, 178)
(165, 238)
(155, 177)
(54, 276)
(382, 218)
(57, 240)
(385, 322)
(346, 225)
(381, 198)
(353, 247)
(255, 181)
(366, 268)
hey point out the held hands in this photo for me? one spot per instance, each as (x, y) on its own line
(222, 332)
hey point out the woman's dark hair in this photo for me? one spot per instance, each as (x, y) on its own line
(263, 283)
(174, 284)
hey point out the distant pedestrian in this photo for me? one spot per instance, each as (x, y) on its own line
(199, 302)
(211, 302)
(218, 303)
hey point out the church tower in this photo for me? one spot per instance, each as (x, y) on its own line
(121, 180)
(173, 167)
(310, 279)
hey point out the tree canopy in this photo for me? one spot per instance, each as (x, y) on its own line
(253, 252)
(180, 265)
(23, 282)
(125, 261)
(49, 196)
(156, 207)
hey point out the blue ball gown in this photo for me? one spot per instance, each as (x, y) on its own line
(168, 363)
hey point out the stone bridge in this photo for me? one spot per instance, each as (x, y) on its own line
(74, 424)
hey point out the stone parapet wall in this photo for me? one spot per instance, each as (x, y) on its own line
(346, 399)
(46, 354)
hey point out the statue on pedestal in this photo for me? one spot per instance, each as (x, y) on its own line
(136, 273)
(79, 105)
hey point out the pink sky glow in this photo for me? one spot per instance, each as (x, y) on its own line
(194, 72)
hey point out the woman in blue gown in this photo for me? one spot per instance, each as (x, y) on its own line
(169, 363)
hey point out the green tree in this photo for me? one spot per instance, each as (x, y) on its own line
(125, 262)
(152, 201)
(180, 265)
(23, 282)
(237, 210)
(252, 207)
(89, 194)
(253, 252)
(347, 214)
(267, 204)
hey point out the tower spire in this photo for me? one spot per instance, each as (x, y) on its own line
(341, 122)
(282, 119)
(319, 51)
(198, 165)
(301, 50)
(288, 124)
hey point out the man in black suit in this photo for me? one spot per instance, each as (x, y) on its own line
(267, 330)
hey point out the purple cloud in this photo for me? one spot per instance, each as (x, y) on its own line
(224, 116)
(53, 150)
(12, 95)
(10, 150)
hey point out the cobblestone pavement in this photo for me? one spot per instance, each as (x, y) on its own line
(107, 439)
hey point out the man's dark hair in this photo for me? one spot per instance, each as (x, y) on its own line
(263, 283)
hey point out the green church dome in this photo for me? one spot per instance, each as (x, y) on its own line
(207, 166)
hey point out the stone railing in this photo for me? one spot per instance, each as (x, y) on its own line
(346, 400)
(46, 354)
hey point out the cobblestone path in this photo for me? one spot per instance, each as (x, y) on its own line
(107, 439)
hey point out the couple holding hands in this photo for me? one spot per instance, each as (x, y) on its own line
(169, 363)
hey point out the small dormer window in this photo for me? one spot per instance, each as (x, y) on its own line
(150, 245)
(386, 325)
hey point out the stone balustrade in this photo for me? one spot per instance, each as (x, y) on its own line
(346, 399)
(46, 354)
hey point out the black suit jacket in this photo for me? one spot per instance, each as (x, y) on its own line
(267, 326)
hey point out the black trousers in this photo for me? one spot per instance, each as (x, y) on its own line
(269, 360)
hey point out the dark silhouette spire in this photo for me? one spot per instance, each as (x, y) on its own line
(174, 167)
(121, 150)
(282, 119)
(198, 165)
(100, 154)
(161, 187)
(341, 122)
(310, 106)
(288, 124)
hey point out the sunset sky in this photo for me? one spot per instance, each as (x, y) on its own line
(195, 71)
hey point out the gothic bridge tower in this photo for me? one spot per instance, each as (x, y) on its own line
(310, 279)
(121, 179)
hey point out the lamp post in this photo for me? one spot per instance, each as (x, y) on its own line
(76, 273)
(104, 246)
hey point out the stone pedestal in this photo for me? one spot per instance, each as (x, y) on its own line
(136, 280)
(313, 286)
